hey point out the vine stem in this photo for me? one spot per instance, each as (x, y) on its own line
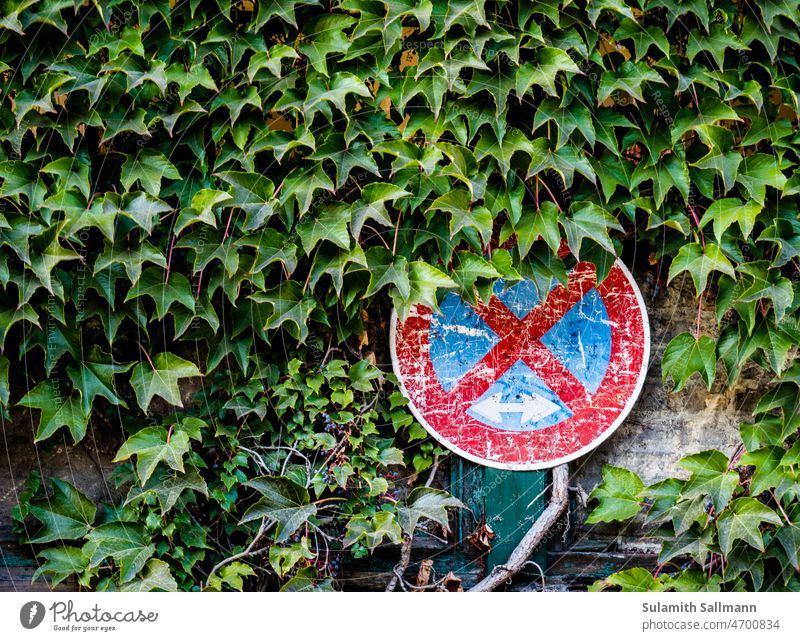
(697, 324)
(519, 557)
(405, 549)
(147, 356)
(555, 201)
(780, 507)
(696, 219)
(247, 552)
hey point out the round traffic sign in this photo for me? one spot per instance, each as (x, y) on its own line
(523, 383)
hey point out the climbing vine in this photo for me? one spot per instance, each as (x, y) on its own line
(229, 196)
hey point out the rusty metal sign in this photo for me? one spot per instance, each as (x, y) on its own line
(523, 383)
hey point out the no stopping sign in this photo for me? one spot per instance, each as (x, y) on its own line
(523, 383)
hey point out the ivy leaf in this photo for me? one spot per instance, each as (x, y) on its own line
(632, 580)
(156, 576)
(165, 293)
(196, 76)
(502, 148)
(342, 85)
(725, 212)
(43, 262)
(761, 281)
(168, 486)
(372, 530)
(425, 503)
(458, 204)
(741, 522)
(700, 262)
(330, 223)
(630, 77)
(132, 256)
(758, 172)
(151, 446)
(95, 377)
(57, 410)
(618, 496)
(718, 40)
(325, 36)
(67, 514)
(345, 157)
(148, 167)
(252, 193)
(789, 538)
(686, 355)
(550, 61)
(289, 305)
(282, 500)
(385, 269)
(711, 476)
(270, 60)
(372, 205)
(283, 559)
(425, 281)
(588, 220)
(160, 378)
(126, 543)
(61, 563)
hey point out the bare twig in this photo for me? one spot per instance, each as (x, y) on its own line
(265, 525)
(405, 549)
(519, 557)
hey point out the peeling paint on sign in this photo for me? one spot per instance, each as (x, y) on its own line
(524, 384)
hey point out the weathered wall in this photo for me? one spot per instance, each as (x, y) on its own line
(663, 427)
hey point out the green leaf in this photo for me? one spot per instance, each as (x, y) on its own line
(458, 204)
(126, 543)
(372, 205)
(254, 194)
(741, 522)
(283, 559)
(94, 376)
(156, 577)
(329, 223)
(700, 262)
(372, 530)
(57, 410)
(67, 514)
(165, 293)
(325, 37)
(711, 477)
(758, 172)
(425, 281)
(154, 445)
(291, 305)
(588, 220)
(231, 575)
(761, 281)
(425, 503)
(633, 580)
(789, 538)
(160, 378)
(686, 355)
(61, 563)
(385, 269)
(550, 61)
(282, 500)
(618, 496)
(148, 167)
(725, 212)
(629, 78)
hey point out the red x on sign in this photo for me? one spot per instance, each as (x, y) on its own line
(525, 383)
